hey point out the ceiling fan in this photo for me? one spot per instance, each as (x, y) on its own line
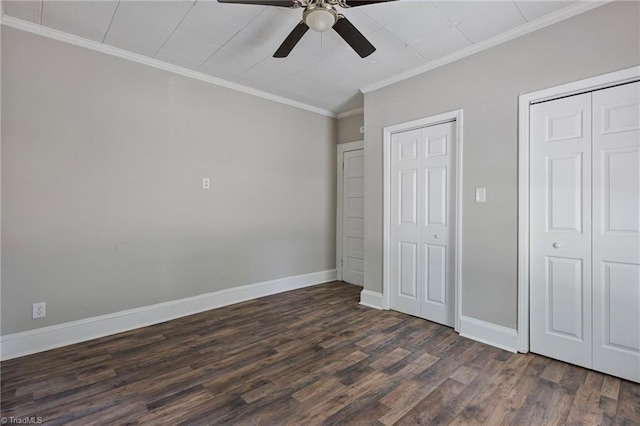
(320, 16)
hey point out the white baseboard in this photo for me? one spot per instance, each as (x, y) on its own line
(491, 334)
(372, 299)
(42, 339)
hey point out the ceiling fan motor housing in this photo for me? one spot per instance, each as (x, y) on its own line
(320, 16)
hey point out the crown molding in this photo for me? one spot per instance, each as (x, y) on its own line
(30, 27)
(350, 113)
(536, 24)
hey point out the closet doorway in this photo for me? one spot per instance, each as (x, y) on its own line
(422, 217)
(584, 229)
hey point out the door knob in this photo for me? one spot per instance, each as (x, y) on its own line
(556, 245)
(436, 236)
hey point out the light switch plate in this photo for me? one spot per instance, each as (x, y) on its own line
(481, 195)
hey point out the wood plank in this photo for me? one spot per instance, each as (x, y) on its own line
(437, 401)
(389, 358)
(465, 375)
(607, 409)
(585, 404)
(629, 402)
(558, 408)
(320, 387)
(610, 387)
(554, 371)
(486, 393)
(258, 393)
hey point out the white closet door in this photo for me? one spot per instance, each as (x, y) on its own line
(422, 222)
(616, 236)
(353, 217)
(560, 233)
(438, 145)
(406, 216)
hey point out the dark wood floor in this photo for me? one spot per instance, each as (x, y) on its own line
(306, 357)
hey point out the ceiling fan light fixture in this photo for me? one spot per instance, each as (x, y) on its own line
(320, 17)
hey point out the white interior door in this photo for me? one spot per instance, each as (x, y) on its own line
(422, 222)
(406, 200)
(585, 230)
(560, 229)
(438, 183)
(616, 236)
(353, 217)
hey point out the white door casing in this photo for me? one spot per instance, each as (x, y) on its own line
(560, 240)
(422, 229)
(616, 231)
(353, 217)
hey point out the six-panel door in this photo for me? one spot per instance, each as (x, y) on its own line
(560, 266)
(616, 231)
(422, 222)
(585, 230)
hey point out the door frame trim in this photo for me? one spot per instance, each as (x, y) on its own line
(524, 105)
(457, 117)
(342, 148)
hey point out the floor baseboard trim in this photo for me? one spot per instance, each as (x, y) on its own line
(372, 299)
(489, 333)
(55, 336)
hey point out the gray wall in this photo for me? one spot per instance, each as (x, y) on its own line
(487, 86)
(102, 206)
(349, 128)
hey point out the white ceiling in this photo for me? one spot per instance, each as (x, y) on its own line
(235, 42)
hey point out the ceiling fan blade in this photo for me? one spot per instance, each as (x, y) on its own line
(353, 37)
(292, 39)
(356, 3)
(280, 3)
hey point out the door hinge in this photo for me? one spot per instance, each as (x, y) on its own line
(343, 165)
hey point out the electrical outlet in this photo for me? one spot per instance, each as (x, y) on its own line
(39, 310)
(206, 183)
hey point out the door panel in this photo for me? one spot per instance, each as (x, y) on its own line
(560, 229)
(620, 212)
(616, 236)
(621, 291)
(405, 215)
(437, 230)
(436, 196)
(561, 126)
(353, 217)
(422, 214)
(564, 193)
(564, 278)
(408, 278)
(409, 197)
(435, 270)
